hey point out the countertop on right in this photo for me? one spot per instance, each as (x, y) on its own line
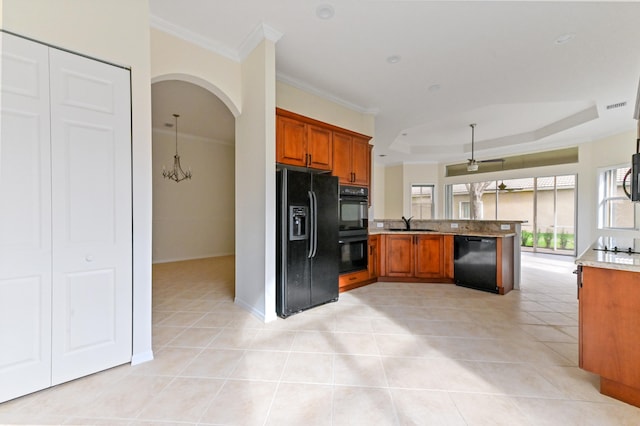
(610, 253)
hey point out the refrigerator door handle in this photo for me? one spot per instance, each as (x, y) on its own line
(314, 230)
(312, 234)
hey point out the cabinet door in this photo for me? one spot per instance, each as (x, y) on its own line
(429, 260)
(25, 219)
(360, 160)
(91, 216)
(342, 157)
(374, 266)
(319, 147)
(291, 142)
(609, 338)
(400, 256)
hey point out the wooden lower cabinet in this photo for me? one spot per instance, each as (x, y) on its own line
(416, 257)
(609, 331)
(374, 256)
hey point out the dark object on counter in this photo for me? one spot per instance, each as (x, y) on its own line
(306, 241)
(407, 222)
(474, 262)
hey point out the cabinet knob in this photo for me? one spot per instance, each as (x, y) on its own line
(88, 258)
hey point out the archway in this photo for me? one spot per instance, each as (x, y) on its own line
(194, 218)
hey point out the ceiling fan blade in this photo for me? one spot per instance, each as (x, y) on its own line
(492, 160)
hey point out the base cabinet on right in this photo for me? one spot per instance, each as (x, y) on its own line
(609, 330)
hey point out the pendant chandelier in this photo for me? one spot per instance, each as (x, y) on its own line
(176, 173)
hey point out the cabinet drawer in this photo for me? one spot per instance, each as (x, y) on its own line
(352, 279)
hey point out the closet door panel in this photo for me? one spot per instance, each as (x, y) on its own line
(92, 251)
(25, 219)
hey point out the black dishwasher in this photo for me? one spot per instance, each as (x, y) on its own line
(474, 262)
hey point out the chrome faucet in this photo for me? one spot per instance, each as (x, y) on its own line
(407, 222)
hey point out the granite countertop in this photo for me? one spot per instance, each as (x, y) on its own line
(425, 231)
(609, 259)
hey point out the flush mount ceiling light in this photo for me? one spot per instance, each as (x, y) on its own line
(564, 38)
(393, 59)
(325, 11)
(176, 173)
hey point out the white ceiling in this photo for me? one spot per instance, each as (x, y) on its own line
(496, 64)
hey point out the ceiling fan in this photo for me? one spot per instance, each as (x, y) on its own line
(472, 163)
(503, 187)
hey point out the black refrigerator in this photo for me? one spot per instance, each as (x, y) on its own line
(307, 240)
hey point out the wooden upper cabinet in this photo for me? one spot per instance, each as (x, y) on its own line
(351, 159)
(305, 142)
(342, 156)
(291, 138)
(360, 161)
(319, 147)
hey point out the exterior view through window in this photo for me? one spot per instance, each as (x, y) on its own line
(547, 204)
(422, 201)
(615, 210)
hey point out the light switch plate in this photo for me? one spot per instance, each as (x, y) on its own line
(505, 226)
(454, 225)
(379, 225)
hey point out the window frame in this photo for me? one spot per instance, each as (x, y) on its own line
(433, 199)
(607, 183)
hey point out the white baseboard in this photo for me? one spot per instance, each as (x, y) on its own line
(181, 259)
(253, 311)
(141, 358)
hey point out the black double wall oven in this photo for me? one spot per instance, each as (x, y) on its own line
(353, 230)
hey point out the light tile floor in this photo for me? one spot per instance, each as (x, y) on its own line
(385, 354)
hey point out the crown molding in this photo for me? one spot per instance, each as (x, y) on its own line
(190, 36)
(259, 33)
(325, 95)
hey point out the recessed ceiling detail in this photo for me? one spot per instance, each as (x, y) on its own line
(544, 84)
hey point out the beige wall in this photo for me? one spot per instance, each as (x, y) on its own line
(255, 185)
(175, 59)
(378, 195)
(116, 31)
(394, 197)
(194, 218)
(293, 99)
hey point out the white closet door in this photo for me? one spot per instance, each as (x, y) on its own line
(92, 230)
(25, 219)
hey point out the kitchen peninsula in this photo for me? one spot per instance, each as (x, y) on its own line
(609, 323)
(426, 252)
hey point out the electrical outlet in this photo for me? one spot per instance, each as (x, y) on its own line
(454, 226)
(379, 224)
(505, 227)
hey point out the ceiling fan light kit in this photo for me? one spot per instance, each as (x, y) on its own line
(472, 163)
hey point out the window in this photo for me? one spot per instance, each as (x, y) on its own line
(422, 201)
(546, 205)
(615, 210)
(464, 209)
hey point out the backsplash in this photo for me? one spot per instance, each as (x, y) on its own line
(456, 226)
